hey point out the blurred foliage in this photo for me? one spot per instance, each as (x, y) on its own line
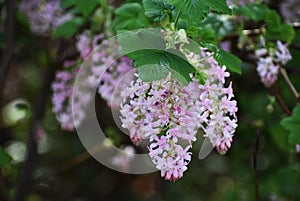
(59, 176)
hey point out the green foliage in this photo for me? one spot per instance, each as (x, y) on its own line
(4, 157)
(69, 28)
(221, 26)
(130, 16)
(86, 7)
(254, 12)
(220, 6)
(292, 124)
(197, 10)
(275, 29)
(157, 10)
(148, 47)
(81, 6)
(193, 10)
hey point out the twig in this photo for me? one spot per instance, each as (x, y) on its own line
(3, 196)
(280, 100)
(31, 149)
(290, 84)
(255, 164)
(8, 50)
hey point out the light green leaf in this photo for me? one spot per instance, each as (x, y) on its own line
(4, 157)
(141, 40)
(130, 16)
(171, 60)
(158, 10)
(152, 72)
(292, 124)
(219, 6)
(194, 10)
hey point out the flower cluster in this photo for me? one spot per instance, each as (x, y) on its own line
(62, 91)
(170, 115)
(214, 105)
(162, 111)
(269, 61)
(105, 73)
(44, 16)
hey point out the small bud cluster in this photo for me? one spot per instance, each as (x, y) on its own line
(269, 61)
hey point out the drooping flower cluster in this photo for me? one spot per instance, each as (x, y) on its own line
(99, 60)
(215, 107)
(269, 61)
(170, 115)
(162, 111)
(44, 16)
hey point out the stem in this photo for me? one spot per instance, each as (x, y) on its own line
(280, 100)
(255, 164)
(177, 18)
(7, 56)
(290, 84)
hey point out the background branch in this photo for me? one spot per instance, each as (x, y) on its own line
(25, 179)
(290, 84)
(280, 100)
(255, 164)
(7, 53)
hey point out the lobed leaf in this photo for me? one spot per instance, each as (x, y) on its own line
(157, 10)
(130, 16)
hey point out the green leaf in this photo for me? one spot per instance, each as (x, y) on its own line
(67, 3)
(130, 16)
(69, 28)
(172, 60)
(254, 11)
(219, 6)
(227, 59)
(292, 124)
(4, 157)
(194, 10)
(131, 41)
(86, 7)
(148, 47)
(157, 10)
(152, 72)
(286, 33)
